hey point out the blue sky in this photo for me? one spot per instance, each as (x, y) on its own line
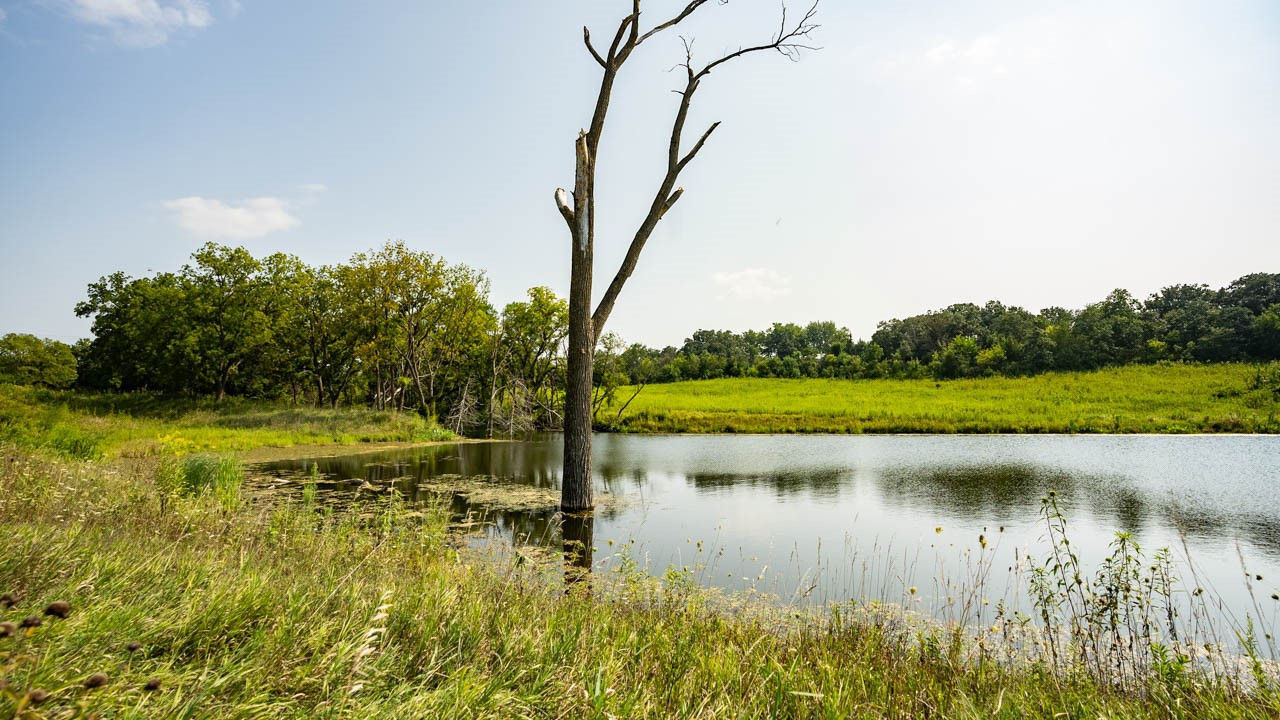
(1040, 153)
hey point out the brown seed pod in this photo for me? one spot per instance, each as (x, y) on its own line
(133, 646)
(96, 680)
(35, 696)
(58, 609)
(9, 599)
(30, 621)
(152, 685)
(7, 629)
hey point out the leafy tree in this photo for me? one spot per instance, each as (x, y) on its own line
(138, 326)
(784, 340)
(424, 326)
(229, 322)
(29, 360)
(1266, 334)
(534, 333)
(1255, 292)
(1107, 333)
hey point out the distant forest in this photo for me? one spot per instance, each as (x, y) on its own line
(1181, 323)
(395, 328)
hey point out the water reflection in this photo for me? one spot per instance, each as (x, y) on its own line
(578, 535)
(818, 482)
(795, 503)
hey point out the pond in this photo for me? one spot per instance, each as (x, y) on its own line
(913, 519)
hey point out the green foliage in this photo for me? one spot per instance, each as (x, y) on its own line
(220, 477)
(1188, 323)
(29, 360)
(88, 425)
(527, 361)
(394, 328)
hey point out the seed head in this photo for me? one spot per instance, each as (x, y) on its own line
(58, 609)
(30, 621)
(133, 646)
(35, 696)
(152, 685)
(7, 629)
(9, 600)
(96, 680)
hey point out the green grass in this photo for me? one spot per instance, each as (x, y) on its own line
(89, 425)
(1138, 399)
(290, 612)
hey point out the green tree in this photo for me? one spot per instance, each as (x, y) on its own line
(1266, 334)
(29, 360)
(138, 326)
(423, 326)
(228, 313)
(534, 332)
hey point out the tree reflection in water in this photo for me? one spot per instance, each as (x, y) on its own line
(577, 531)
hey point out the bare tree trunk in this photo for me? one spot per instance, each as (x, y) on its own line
(585, 327)
(576, 491)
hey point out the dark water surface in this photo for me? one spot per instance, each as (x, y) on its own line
(829, 518)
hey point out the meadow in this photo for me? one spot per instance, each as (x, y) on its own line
(148, 587)
(1170, 398)
(90, 425)
(144, 580)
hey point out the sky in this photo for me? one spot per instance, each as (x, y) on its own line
(1034, 152)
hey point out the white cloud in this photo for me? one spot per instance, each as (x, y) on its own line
(752, 283)
(141, 23)
(313, 188)
(965, 65)
(255, 217)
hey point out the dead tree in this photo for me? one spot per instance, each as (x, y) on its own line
(578, 209)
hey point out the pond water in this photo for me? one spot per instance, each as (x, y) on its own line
(815, 519)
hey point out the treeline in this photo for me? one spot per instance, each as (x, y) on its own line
(1185, 323)
(393, 328)
(400, 329)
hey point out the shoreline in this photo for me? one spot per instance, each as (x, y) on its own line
(272, 453)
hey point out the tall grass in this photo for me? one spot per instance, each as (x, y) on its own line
(280, 611)
(1138, 399)
(89, 425)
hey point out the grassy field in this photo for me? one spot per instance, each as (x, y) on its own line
(89, 425)
(138, 580)
(183, 599)
(1139, 399)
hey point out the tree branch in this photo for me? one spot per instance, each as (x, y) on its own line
(698, 145)
(565, 207)
(786, 41)
(628, 21)
(672, 200)
(586, 38)
(688, 10)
